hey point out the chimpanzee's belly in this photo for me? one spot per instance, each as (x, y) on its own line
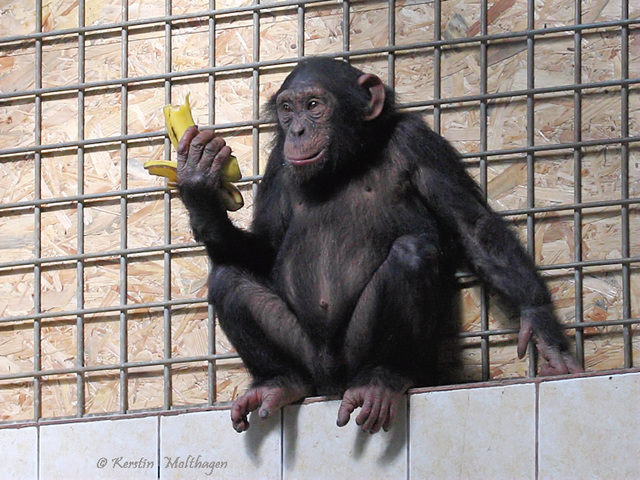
(331, 251)
(324, 272)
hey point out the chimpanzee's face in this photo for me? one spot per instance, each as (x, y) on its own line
(304, 113)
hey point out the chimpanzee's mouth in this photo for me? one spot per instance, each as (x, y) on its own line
(299, 161)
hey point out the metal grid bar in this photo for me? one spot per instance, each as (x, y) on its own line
(484, 294)
(435, 44)
(257, 66)
(211, 326)
(346, 28)
(435, 104)
(152, 250)
(301, 19)
(391, 57)
(530, 156)
(624, 188)
(166, 311)
(124, 118)
(60, 147)
(437, 60)
(37, 250)
(255, 99)
(577, 179)
(139, 306)
(125, 365)
(80, 379)
(278, 6)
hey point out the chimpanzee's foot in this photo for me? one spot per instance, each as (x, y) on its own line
(268, 397)
(379, 406)
(560, 362)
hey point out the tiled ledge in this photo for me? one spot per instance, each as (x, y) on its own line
(571, 427)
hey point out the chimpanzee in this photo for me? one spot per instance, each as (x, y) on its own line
(348, 268)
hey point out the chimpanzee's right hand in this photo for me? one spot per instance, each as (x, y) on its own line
(201, 156)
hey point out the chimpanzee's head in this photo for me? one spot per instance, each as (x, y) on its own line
(322, 109)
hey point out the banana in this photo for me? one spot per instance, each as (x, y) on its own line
(163, 168)
(231, 170)
(231, 197)
(177, 120)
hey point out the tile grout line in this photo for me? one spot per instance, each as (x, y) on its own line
(282, 411)
(408, 437)
(536, 417)
(158, 437)
(38, 451)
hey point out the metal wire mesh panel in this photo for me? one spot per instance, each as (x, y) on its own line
(102, 288)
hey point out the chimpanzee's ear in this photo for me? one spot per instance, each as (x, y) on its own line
(376, 89)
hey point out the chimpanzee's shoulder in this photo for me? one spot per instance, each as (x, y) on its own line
(418, 142)
(412, 122)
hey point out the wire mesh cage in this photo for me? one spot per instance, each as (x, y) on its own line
(103, 289)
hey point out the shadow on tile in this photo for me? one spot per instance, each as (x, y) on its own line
(255, 437)
(315, 447)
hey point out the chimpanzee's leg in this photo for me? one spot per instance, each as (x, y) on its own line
(390, 339)
(267, 336)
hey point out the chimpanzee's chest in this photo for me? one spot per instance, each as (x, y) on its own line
(334, 246)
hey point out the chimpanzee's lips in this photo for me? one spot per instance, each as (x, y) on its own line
(306, 160)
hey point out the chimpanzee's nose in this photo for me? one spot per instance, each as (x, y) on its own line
(297, 128)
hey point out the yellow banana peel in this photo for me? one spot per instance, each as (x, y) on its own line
(231, 197)
(177, 120)
(231, 170)
(163, 168)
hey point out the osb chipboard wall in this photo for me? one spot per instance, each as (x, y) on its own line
(83, 242)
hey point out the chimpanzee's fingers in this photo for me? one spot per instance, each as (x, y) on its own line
(393, 411)
(524, 337)
(365, 411)
(183, 146)
(272, 402)
(219, 160)
(383, 414)
(370, 412)
(240, 424)
(559, 362)
(347, 406)
(208, 162)
(242, 407)
(239, 413)
(555, 365)
(185, 141)
(572, 363)
(196, 149)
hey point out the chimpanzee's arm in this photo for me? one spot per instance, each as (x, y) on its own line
(493, 250)
(200, 158)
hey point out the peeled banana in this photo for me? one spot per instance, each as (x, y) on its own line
(177, 120)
